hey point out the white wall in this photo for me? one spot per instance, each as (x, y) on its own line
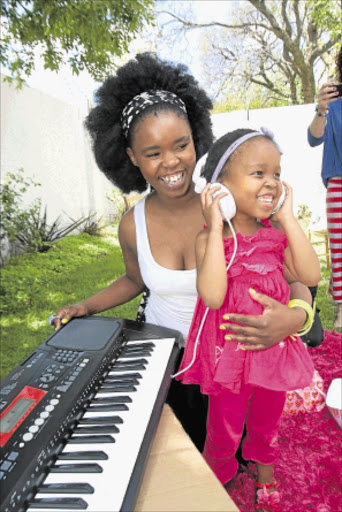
(46, 137)
(301, 164)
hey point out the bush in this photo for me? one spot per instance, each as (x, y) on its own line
(92, 225)
(117, 202)
(28, 228)
(14, 218)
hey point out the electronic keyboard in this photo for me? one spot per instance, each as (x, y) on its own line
(77, 417)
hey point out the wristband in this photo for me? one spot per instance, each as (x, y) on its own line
(320, 114)
(310, 311)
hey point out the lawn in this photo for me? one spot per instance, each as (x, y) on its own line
(36, 285)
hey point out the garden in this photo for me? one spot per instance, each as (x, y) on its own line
(56, 270)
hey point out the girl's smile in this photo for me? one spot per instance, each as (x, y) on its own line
(253, 177)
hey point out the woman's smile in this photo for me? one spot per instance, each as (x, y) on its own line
(173, 180)
(164, 151)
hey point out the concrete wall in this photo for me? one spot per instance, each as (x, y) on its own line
(46, 137)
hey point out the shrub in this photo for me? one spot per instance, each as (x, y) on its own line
(117, 202)
(28, 227)
(92, 225)
(13, 217)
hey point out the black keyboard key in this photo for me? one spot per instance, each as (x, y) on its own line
(135, 353)
(146, 344)
(100, 420)
(66, 488)
(108, 408)
(61, 503)
(91, 439)
(97, 429)
(130, 362)
(123, 399)
(123, 367)
(117, 388)
(86, 455)
(119, 379)
(124, 376)
(76, 468)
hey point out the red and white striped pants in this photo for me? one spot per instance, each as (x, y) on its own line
(334, 218)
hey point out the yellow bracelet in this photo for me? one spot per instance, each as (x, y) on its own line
(310, 311)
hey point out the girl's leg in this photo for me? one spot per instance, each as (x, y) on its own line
(265, 474)
(261, 444)
(263, 418)
(334, 213)
(226, 417)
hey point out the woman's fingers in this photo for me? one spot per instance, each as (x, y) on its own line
(267, 329)
(65, 314)
(254, 348)
(326, 94)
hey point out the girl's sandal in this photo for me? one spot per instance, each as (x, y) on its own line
(266, 500)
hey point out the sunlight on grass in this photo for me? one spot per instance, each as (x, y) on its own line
(78, 266)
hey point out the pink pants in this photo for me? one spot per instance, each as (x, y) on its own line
(261, 409)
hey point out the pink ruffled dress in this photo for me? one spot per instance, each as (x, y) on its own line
(220, 364)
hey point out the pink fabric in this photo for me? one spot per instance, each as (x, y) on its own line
(308, 470)
(262, 409)
(219, 365)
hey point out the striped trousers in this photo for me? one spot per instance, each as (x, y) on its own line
(334, 219)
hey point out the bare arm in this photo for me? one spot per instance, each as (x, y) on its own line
(326, 95)
(210, 260)
(301, 258)
(123, 289)
(276, 322)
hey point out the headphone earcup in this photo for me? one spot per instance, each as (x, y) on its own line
(281, 199)
(227, 203)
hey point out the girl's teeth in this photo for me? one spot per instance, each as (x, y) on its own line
(266, 200)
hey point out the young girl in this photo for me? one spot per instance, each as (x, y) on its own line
(246, 386)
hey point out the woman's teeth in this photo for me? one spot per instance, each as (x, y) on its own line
(174, 178)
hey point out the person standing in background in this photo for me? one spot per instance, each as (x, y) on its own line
(326, 127)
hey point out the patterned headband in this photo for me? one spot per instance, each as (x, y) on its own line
(263, 131)
(145, 99)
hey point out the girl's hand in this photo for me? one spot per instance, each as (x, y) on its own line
(286, 210)
(259, 332)
(66, 313)
(326, 95)
(210, 207)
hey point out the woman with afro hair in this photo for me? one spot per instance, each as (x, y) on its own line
(150, 125)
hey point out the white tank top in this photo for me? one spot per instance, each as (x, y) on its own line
(173, 293)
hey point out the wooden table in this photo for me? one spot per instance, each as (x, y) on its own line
(177, 478)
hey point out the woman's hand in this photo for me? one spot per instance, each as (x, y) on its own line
(326, 95)
(66, 313)
(259, 332)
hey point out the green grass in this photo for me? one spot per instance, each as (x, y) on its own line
(36, 285)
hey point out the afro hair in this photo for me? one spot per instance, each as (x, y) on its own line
(145, 72)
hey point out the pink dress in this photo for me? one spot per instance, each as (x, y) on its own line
(220, 364)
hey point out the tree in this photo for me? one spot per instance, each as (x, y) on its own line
(281, 45)
(87, 34)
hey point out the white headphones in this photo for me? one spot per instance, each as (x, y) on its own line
(227, 203)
